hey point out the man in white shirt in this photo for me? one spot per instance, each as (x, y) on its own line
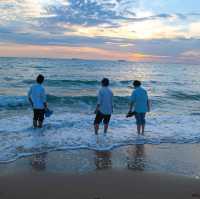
(104, 106)
(37, 98)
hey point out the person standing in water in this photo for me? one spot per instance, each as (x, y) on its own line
(37, 98)
(104, 106)
(139, 99)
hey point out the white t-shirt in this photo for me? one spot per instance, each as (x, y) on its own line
(37, 95)
(140, 99)
(105, 100)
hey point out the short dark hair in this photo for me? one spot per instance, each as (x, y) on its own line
(105, 82)
(136, 83)
(40, 79)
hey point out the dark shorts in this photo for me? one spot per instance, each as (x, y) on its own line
(102, 117)
(38, 114)
(140, 118)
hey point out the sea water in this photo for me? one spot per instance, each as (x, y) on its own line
(71, 86)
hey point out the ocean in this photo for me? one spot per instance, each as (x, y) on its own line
(72, 85)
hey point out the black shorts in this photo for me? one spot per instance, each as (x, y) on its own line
(38, 115)
(140, 118)
(102, 117)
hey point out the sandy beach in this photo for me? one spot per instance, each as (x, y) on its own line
(137, 172)
(104, 184)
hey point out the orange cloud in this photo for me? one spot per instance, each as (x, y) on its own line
(147, 57)
(19, 50)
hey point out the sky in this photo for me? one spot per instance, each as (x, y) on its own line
(135, 30)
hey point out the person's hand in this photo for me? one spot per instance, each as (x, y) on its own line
(96, 111)
(128, 113)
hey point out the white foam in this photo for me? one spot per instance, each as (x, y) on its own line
(75, 131)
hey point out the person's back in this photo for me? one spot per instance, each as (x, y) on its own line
(105, 100)
(140, 99)
(37, 94)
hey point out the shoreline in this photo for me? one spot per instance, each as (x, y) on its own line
(178, 159)
(138, 172)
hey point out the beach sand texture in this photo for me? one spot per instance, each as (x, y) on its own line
(104, 184)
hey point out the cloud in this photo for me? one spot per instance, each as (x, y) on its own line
(87, 13)
(191, 55)
(20, 50)
(194, 29)
(122, 27)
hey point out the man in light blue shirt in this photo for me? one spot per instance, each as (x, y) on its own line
(37, 98)
(139, 99)
(104, 106)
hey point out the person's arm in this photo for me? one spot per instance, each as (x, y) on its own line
(132, 101)
(44, 99)
(98, 103)
(97, 108)
(112, 103)
(130, 106)
(29, 97)
(148, 105)
(31, 102)
(45, 105)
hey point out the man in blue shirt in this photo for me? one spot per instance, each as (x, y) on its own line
(139, 99)
(37, 98)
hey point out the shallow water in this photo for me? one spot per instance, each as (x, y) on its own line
(72, 86)
(175, 159)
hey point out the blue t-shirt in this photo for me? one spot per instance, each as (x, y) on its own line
(37, 95)
(140, 99)
(105, 100)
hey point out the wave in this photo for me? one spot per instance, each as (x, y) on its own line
(13, 101)
(179, 95)
(22, 101)
(63, 83)
(68, 131)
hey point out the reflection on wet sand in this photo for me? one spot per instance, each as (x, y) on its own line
(136, 157)
(103, 159)
(38, 161)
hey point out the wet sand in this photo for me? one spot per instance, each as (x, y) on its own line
(103, 184)
(135, 172)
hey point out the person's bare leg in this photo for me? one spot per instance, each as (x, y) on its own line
(143, 127)
(138, 129)
(40, 124)
(105, 128)
(35, 123)
(96, 129)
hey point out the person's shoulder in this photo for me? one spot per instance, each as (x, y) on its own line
(42, 87)
(134, 91)
(33, 86)
(144, 90)
(109, 90)
(141, 88)
(100, 90)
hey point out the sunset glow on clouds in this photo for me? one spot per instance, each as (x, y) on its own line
(136, 30)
